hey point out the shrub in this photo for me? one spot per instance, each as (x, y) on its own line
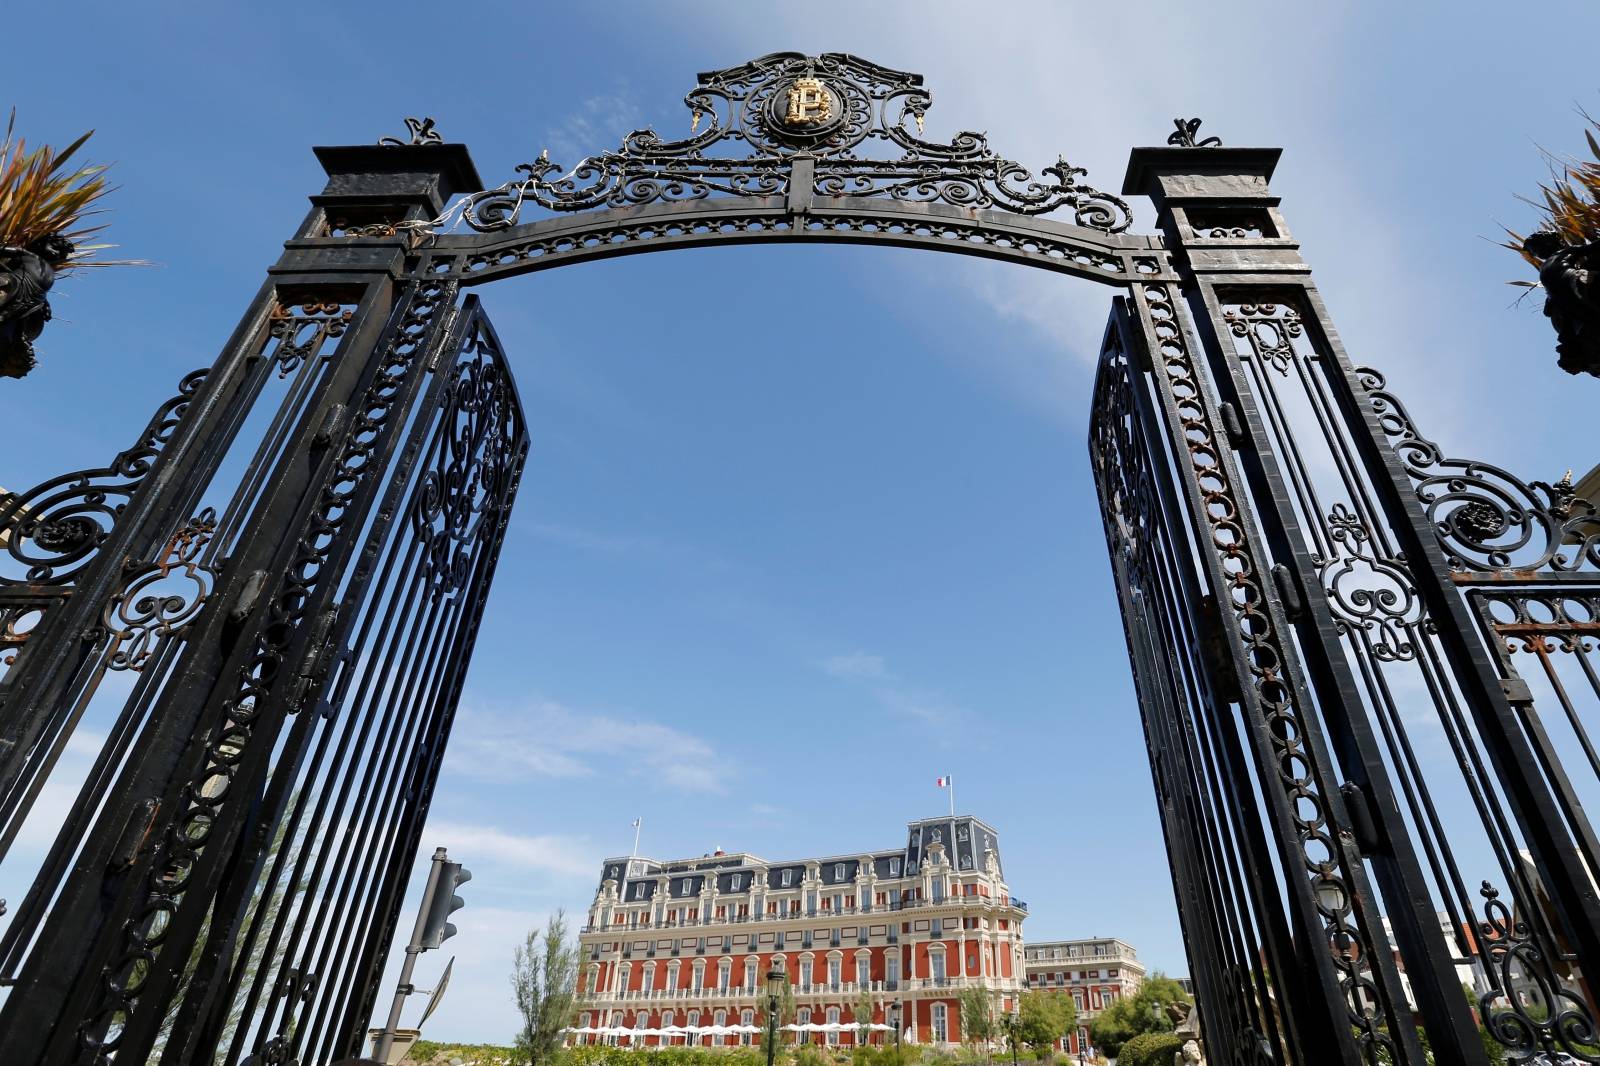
(1150, 1049)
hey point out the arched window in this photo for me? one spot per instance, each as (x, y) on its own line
(638, 1025)
(835, 966)
(807, 961)
(941, 1024)
(623, 973)
(802, 1017)
(672, 974)
(752, 966)
(833, 1019)
(747, 1018)
(694, 1023)
(720, 1019)
(724, 972)
(667, 1018)
(699, 974)
(863, 969)
(936, 964)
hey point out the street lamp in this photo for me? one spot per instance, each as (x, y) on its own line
(894, 1020)
(1013, 1023)
(775, 979)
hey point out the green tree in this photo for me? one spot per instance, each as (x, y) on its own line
(863, 1011)
(1150, 1049)
(978, 1022)
(785, 1009)
(1044, 1018)
(544, 982)
(1143, 1012)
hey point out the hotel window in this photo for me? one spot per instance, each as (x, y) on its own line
(724, 971)
(936, 965)
(788, 878)
(863, 971)
(894, 867)
(941, 1024)
(747, 1018)
(1077, 999)
(834, 966)
(833, 1019)
(891, 971)
(699, 975)
(733, 883)
(694, 1022)
(803, 1017)
(838, 871)
(751, 965)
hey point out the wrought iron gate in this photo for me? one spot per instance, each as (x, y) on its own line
(266, 605)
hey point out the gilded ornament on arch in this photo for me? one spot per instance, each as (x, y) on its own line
(810, 104)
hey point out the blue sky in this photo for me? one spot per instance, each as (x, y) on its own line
(771, 573)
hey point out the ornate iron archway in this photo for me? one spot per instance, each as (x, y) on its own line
(289, 567)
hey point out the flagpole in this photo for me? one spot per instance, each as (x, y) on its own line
(952, 795)
(636, 823)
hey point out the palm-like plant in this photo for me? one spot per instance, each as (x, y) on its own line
(44, 205)
(40, 197)
(1566, 250)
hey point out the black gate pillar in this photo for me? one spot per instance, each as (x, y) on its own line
(1346, 831)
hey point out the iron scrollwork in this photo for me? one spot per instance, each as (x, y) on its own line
(420, 130)
(848, 118)
(1485, 517)
(1369, 592)
(55, 528)
(1184, 136)
(162, 599)
(1558, 1022)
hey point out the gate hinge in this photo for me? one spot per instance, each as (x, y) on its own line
(314, 667)
(442, 340)
(1231, 424)
(1288, 591)
(135, 832)
(249, 593)
(332, 426)
(1361, 823)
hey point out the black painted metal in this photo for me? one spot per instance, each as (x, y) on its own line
(290, 566)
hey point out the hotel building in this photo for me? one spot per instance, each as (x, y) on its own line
(1095, 973)
(689, 942)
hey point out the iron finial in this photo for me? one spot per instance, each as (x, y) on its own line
(1185, 135)
(422, 131)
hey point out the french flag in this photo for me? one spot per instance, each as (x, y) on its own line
(941, 782)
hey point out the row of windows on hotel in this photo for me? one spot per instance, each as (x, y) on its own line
(835, 937)
(838, 902)
(939, 1015)
(752, 972)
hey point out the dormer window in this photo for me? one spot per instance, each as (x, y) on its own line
(894, 867)
(838, 871)
(788, 878)
(733, 883)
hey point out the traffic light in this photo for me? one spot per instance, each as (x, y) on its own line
(442, 902)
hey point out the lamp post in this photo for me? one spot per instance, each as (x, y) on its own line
(894, 1020)
(775, 979)
(1013, 1023)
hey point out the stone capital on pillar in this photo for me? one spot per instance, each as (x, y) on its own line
(426, 175)
(1215, 208)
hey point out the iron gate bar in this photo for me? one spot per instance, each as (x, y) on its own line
(1516, 765)
(1395, 866)
(1217, 688)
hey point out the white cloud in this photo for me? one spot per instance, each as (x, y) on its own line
(857, 664)
(859, 667)
(549, 739)
(561, 856)
(596, 125)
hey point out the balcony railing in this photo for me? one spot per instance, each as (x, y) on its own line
(989, 902)
(845, 989)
